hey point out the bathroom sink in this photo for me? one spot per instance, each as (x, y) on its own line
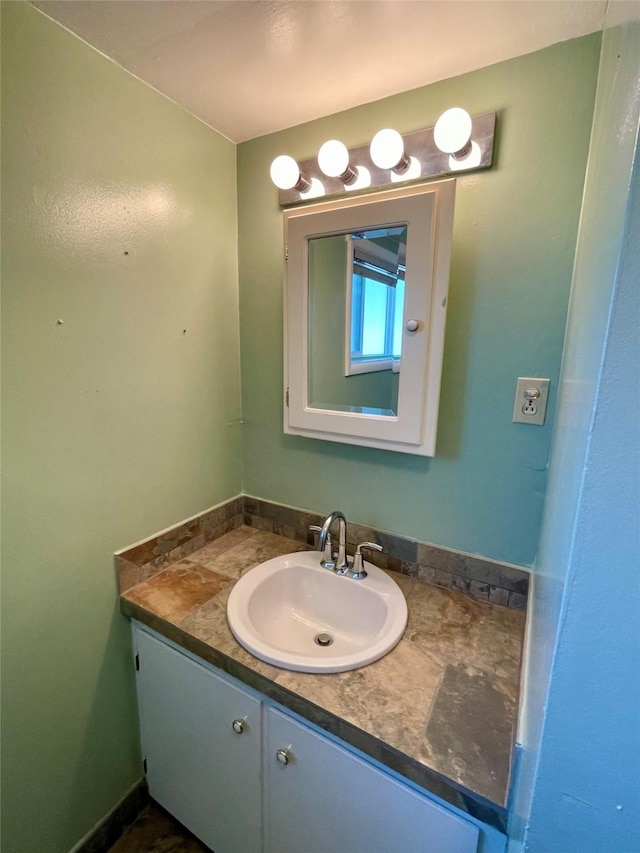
(293, 613)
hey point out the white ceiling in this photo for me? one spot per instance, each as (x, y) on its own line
(250, 67)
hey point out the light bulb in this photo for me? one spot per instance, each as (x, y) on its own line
(333, 158)
(316, 190)
(285, 174)
(470, 161)
(387, 149)
(453, 132)
(414, 171)
(362, 181)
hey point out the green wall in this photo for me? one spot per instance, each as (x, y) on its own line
(119, 217)
(514, 239)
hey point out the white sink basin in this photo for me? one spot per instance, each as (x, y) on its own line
(278, 609)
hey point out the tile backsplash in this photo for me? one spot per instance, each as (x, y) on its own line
(479, 578)
(139, 562)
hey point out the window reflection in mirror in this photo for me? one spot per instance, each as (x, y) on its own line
(355, 320)
(375, 299)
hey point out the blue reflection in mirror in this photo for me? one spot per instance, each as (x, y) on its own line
(377, 299)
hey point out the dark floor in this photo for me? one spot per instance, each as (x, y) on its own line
(155, 831)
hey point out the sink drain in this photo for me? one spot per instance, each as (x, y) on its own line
(323, 639)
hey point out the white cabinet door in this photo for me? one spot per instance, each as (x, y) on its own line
(198, 767)
(325, 799)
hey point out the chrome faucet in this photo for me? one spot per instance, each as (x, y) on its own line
(341, 564)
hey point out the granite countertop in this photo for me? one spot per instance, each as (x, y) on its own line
(440, 708)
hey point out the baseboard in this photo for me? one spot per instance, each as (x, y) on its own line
(107, 831)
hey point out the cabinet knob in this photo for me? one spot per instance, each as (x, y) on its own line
(283, 756)
(238, 726)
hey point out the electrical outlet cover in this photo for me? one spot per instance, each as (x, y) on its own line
(530, 406)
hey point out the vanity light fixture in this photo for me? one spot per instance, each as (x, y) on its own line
(333, 159)
(452, 133)
(465, 162)
(362, 181)
(316, 190)
(286, 175)
(387, 151)
(459, 142)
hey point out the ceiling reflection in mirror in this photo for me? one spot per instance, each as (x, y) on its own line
(356, 284)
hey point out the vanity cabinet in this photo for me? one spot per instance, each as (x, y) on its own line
(198, 767)
(326, 799)
(246, 777)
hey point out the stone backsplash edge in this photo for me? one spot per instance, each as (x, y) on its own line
(141, 561)
(488, 580)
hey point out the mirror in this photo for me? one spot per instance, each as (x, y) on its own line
(356, 280)
(366, 290)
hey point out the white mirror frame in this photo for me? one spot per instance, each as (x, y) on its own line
(427, 210)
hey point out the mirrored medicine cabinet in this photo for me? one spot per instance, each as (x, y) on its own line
(365, 306)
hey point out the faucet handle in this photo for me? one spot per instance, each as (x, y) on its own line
(327, 561)
(358, 571)
(315, 528)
